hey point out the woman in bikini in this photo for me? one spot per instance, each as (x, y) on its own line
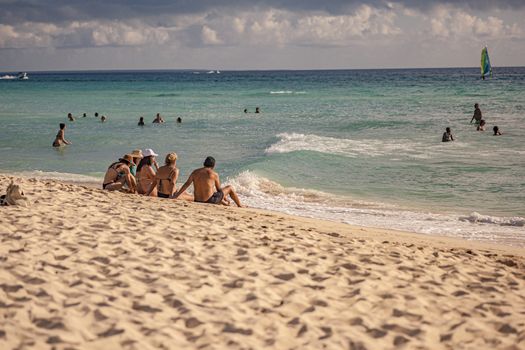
(146, 172)
(166, 178)
(60, 138)
(118, 175)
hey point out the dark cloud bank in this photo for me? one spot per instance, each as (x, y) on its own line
(12, 12)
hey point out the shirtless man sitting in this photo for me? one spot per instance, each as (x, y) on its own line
(118, 175)
(207, 187)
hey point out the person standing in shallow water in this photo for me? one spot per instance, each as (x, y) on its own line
(60, 138)
(477, 114)
(496, 131)
(70, 117)
(141, 121)
(447, 135)
(481, 126)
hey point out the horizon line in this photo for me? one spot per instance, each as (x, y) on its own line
(238, 70)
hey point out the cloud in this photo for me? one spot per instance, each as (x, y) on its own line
(269, 27)
(447, 23)
(257, 33)
(81, 34)
(209, 36)
(278, 28)
(18, 11)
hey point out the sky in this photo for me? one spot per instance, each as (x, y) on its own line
(251, 34)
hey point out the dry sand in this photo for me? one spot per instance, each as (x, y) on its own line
(81, 268)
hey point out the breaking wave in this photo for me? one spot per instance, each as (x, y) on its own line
(291, 142)
(260, 192)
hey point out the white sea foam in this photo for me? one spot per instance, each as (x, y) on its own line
(287, 92)
(290, 142)
(259, 192)
(7, 77)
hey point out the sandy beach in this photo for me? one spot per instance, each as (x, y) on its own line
(82, 268)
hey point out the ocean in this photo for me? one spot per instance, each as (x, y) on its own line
(356, 146)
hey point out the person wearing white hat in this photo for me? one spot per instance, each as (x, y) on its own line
(145, 172)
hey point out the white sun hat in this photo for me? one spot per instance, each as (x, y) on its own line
(149, 152)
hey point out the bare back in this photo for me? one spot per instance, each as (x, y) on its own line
(166, 179)
(205, 183)
(115, 171)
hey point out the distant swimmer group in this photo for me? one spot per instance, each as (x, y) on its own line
(60, 140)
(152, 180)
(157, 120)
(257, 110)
(480, 125)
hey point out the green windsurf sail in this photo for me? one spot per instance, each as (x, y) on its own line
(486, 68)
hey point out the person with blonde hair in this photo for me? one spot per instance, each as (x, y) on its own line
(166, 178)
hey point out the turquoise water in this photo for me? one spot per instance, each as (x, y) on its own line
(359, 146)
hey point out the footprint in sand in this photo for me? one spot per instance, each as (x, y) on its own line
(285, 276)
(229, 328)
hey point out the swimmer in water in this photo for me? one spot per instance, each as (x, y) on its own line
(158, 119)
(496, 131)
(179, 120)
(481, 126)
(141, 121)
(96, 114)
(103, 118)
(447, 135)
(70, 117)
(257, 110)
(477, 114)
(60, 138)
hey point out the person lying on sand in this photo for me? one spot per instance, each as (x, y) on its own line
(207, 186)
(118, 175)
(166, 179)
(60, 138)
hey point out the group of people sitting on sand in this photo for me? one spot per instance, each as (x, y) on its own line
(138, 172)
(480, 125)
